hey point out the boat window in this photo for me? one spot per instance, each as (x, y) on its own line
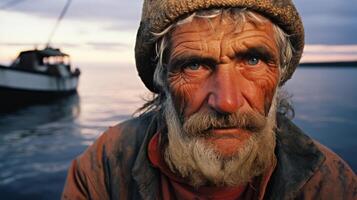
(66, 60)
(56, 60)
(45, 61)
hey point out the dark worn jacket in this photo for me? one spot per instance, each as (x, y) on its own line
(116, 166)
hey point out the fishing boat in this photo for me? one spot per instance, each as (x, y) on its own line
(37, 76)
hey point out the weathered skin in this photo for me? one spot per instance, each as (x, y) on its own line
(116, 166)
(214, 65)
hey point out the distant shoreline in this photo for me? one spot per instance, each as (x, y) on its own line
(330, 64)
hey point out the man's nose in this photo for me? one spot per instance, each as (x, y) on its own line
(225, 95)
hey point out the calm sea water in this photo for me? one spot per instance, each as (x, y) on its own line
(37, 143)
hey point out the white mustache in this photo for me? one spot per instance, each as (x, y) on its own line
(200, 124)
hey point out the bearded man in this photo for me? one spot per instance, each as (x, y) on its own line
(217, 127)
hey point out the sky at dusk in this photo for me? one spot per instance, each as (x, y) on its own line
(104, 31)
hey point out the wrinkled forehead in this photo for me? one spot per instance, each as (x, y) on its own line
(226, 20)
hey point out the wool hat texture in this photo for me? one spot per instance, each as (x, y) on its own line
(159, 14)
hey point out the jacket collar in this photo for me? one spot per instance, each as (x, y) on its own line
(145, 176)
(298, 159)
(297, 156)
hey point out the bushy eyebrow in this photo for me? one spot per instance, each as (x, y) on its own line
(180, 61)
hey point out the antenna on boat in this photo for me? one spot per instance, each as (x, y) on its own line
(63, 13)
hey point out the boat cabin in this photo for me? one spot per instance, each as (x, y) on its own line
(48, 60)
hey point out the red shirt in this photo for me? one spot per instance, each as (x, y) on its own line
(174, 187)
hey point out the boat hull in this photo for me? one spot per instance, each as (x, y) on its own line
(36, 81)
(19, 88)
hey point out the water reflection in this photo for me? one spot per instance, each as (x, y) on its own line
(325, 105)
(33, 147)
(33, 116)
(38, 143)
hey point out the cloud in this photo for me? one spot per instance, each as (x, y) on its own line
(343, 7)
(108, 45)
(329, 21)
(331, 49)
(34, 44)
(318, 53)
(125, 12)
(132, 25)
(10, 4)
(96, 45)
(326, 21)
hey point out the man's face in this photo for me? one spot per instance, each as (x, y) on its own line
(219, 67)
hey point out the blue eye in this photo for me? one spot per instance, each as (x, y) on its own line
(253, 61)
(194, 66)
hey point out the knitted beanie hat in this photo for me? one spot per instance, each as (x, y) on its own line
(159, 14)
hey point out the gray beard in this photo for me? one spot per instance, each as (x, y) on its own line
(200, 164)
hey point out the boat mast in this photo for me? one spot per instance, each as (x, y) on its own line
(63, 13)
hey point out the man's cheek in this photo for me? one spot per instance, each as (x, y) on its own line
(267, 105)
(264, 93)
(183, 95)
(268, 88)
